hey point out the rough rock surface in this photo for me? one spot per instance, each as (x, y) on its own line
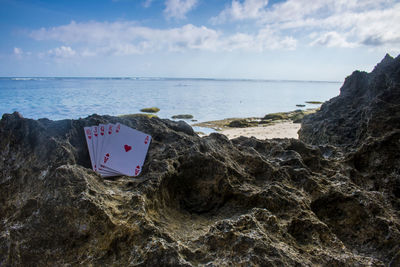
(368, 106)
(199, 201)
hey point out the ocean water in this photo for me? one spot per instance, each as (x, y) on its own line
(205, 99)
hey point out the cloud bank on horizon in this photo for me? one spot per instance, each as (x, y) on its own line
(237, 26)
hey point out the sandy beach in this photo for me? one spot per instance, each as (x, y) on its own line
(285, 129)
(273, 125)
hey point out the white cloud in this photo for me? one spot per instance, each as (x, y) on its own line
(62, 52)
(265, 39)
(248, 9)
(178, 8)
(331, 39)
(340, 23)
(18, 51)
(263, 26)
(334, 23)
(126, 38)
(329, 23)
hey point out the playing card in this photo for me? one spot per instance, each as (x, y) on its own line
(89, 142)
(95, 131)
(100, 140)
(108, 131)
(116, 149)
(126, 151)
(96, 141)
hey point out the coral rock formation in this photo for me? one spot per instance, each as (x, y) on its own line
(333, 201)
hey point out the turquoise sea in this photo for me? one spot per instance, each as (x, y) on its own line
(205, 99)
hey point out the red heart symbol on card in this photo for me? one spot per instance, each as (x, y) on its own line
(89, 137)
(102, 134)
(95, 134)
(109, 132)
(127, 148)
(137, 170)
(107, 156)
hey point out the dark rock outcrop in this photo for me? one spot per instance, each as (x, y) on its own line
(364, 121)
(368, 106)
(200, 201)
(241, 123)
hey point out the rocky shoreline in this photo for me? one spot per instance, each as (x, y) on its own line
(295, 116)
(331, 198)
(273, 125)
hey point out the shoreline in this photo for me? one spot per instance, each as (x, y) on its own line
(284, 129)
(273, 125)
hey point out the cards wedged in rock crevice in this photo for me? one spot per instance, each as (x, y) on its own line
(116, 149)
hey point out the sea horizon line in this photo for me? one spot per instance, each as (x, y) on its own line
(26, 78)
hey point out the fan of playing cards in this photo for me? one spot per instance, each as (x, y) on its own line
(116, 149)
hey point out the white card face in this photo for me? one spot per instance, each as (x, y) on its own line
(108, 134)
(116, 149)
(95, 131)
(100, 140)
(92, 135)
(126, 150)
(109, 130)
(89, 142)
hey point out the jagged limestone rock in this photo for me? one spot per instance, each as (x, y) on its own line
(201, 201)
(368, 105)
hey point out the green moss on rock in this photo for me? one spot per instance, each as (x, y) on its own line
(265, 121)
(297, 117)
(150, 110)
(239, 124)
(183, 116)
(314, 102)
(276, 116)
(127, 116)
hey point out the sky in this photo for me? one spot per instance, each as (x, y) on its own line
(323, 40)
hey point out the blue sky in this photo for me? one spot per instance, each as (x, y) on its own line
(255, 39)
